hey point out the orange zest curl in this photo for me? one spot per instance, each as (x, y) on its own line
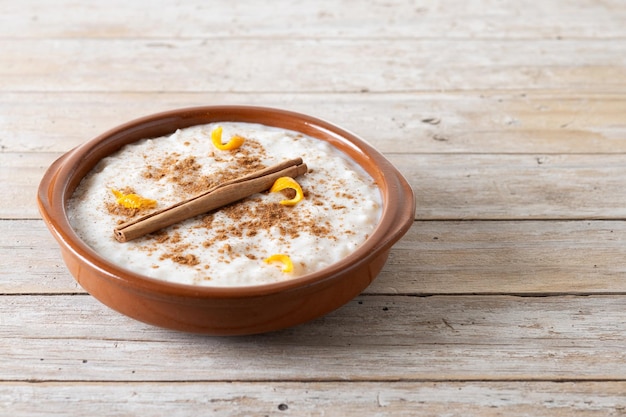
(288, 182)
(284, 259)
(132, 201)
(234, 142)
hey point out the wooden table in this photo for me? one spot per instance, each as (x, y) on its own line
(506, 297)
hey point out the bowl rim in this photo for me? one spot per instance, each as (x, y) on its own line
(54, 192)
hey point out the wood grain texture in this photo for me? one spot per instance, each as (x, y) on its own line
(323, 18)
(352, 399)
(516, 186)
(438, 338)
(463, 122)
(313, 65)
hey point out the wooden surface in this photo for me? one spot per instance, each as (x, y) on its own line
(506, 298)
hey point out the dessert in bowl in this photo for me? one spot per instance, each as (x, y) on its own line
(285, 217)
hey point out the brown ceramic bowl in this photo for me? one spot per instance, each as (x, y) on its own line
(218, 310)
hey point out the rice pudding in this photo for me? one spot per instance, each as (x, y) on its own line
(235, 245)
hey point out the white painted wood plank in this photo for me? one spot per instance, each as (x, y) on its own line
(451, 187)
(465, 257)
(476, 122)
(524, 257)
(350, 399)
(322, 18)
(439, 338)
(30, 260)
(310, 65)
(20, 175)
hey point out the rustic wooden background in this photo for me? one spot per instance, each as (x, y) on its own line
(507, 296)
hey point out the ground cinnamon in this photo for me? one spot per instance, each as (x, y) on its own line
(216, 197)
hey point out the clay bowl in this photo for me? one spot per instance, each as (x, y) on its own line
(224, 311)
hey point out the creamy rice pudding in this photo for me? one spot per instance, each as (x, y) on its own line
(245, 243)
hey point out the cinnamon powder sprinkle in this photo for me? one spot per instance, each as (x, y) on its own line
(249, 218)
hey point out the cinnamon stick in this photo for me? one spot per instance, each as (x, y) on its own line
(211, 199)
